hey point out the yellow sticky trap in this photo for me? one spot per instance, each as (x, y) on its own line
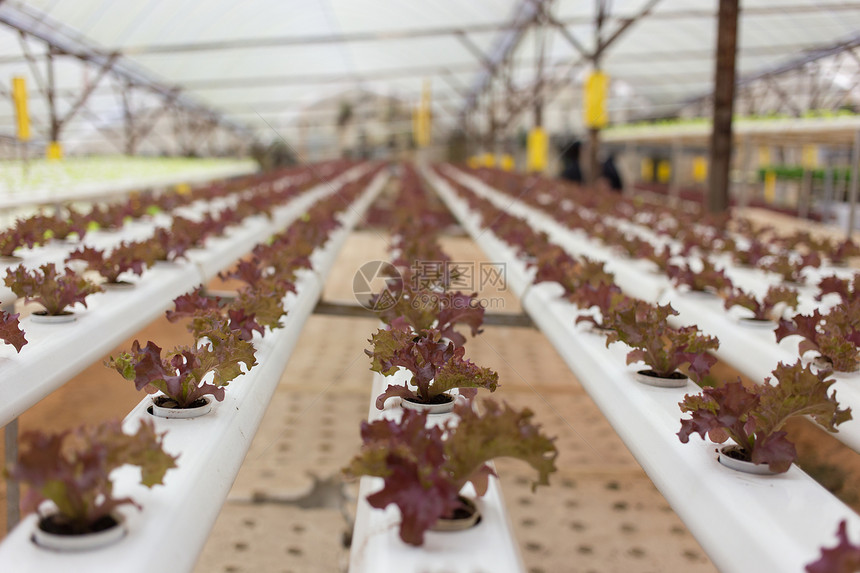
(810, 156)
(54, 151)
(770, 186)
(183, 188)
(426, 115)
(646, 169)
(488, 160)
(664, 171)
(473, 162)
(537, 147)
(22, 114)
(700, 169)
(507, 162)
(594, 100)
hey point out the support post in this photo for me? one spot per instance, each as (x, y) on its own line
(13, 492)
(54, 132)
(724, 95)
(675, 181)
(593, 128)
(855, 182)
(805, 194)
(747, 179)
(829, 191)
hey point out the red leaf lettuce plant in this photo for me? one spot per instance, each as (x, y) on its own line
(789, 268)
(835, 335)
(708, 279)
(72, 469)
(847, 289)
(10, 330)
(126, 257)
(425, 309)
(424, 469)
(23, 234)
(437, 366)
(664, 349)
(187, 374)
(844, 558)
(764, 309)
(52, 290)
(753, 417)
(209, 313)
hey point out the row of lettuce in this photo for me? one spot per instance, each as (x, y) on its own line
(695, 247)
(72, 468)
(57, 290)
(425, 462)
(752, 418)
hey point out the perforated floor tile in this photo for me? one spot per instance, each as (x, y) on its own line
(597, 522)
(303, 435)
(275, 538)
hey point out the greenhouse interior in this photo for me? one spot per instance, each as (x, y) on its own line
(266, 264)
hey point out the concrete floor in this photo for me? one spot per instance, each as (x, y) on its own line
(289, 511)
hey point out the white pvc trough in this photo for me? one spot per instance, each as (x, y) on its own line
(170, 531)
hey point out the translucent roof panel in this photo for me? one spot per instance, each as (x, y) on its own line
(260, 62)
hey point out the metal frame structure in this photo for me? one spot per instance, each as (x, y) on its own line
(60, 42)
(492, 106)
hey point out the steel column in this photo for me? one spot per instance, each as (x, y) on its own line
(724, 92)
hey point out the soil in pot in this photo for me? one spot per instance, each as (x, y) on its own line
(735, 458)
(118, 285)
(439, 404)
(705, 294)
(651, 378)
(58, 526)
(165, 407)
(464, 517)
(762, 323)
(55, 532)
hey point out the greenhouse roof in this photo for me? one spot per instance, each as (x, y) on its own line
(259, 63)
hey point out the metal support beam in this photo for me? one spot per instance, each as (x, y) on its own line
(62, 40)
(32, 62)
(724, 94)
(540, 35)
(846, 45)
(503, 49)
(603, 45)
(54, 133)
(592, 161)
(855, 184)
(88, 90)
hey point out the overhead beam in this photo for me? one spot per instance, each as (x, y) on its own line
(605, 44)
(336, 78)
(812, 55)
(76, 106)
(430, 32)
(503, 49)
